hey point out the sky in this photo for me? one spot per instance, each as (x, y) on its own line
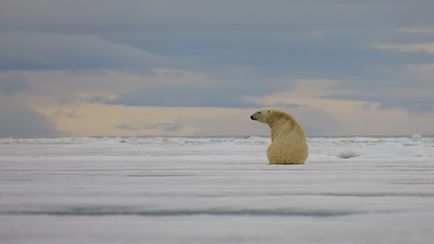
(202, 67)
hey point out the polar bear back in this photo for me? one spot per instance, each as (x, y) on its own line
(287, 152)
(288, 140)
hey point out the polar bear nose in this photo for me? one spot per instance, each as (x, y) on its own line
(252, 117)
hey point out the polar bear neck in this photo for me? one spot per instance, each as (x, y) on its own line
(279, 127)
(281, 123)
(281, 118)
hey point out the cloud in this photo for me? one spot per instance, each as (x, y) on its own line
(417, 47)
(160, 87)
(423, 72)
(77, 85)
(95, 67)
(30, 50)
(184, 96)
(17, 120)
(165, 127)
(306, 89)
(111, 15)
(420, 30)
(325, 113)
(11, 82)
(412, 101)
(172, 88)
(116, 120)
(408, 87)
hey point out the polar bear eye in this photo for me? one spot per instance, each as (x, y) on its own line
(259, 112)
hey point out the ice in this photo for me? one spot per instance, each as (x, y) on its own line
(215, 190)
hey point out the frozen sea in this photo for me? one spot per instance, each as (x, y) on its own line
(215, 190)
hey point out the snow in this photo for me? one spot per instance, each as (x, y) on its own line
(215, 190)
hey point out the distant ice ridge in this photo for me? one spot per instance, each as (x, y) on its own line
(371, 148)
(322, 149)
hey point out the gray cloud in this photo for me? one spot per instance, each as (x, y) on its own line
(12, 83)
(397, 98)
(273, 53)
(59, 51)
(16, 120)
(250, 43)
(184, 95)
(208, 92)
(314, 121)
(109, 15)
(167, 127)
(407, 87)
(268, 36)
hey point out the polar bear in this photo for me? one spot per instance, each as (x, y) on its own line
(288, 140)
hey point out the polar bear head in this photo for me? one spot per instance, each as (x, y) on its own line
(263, 115)
(271, 116)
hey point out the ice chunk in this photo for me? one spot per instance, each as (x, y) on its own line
(349, 154)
